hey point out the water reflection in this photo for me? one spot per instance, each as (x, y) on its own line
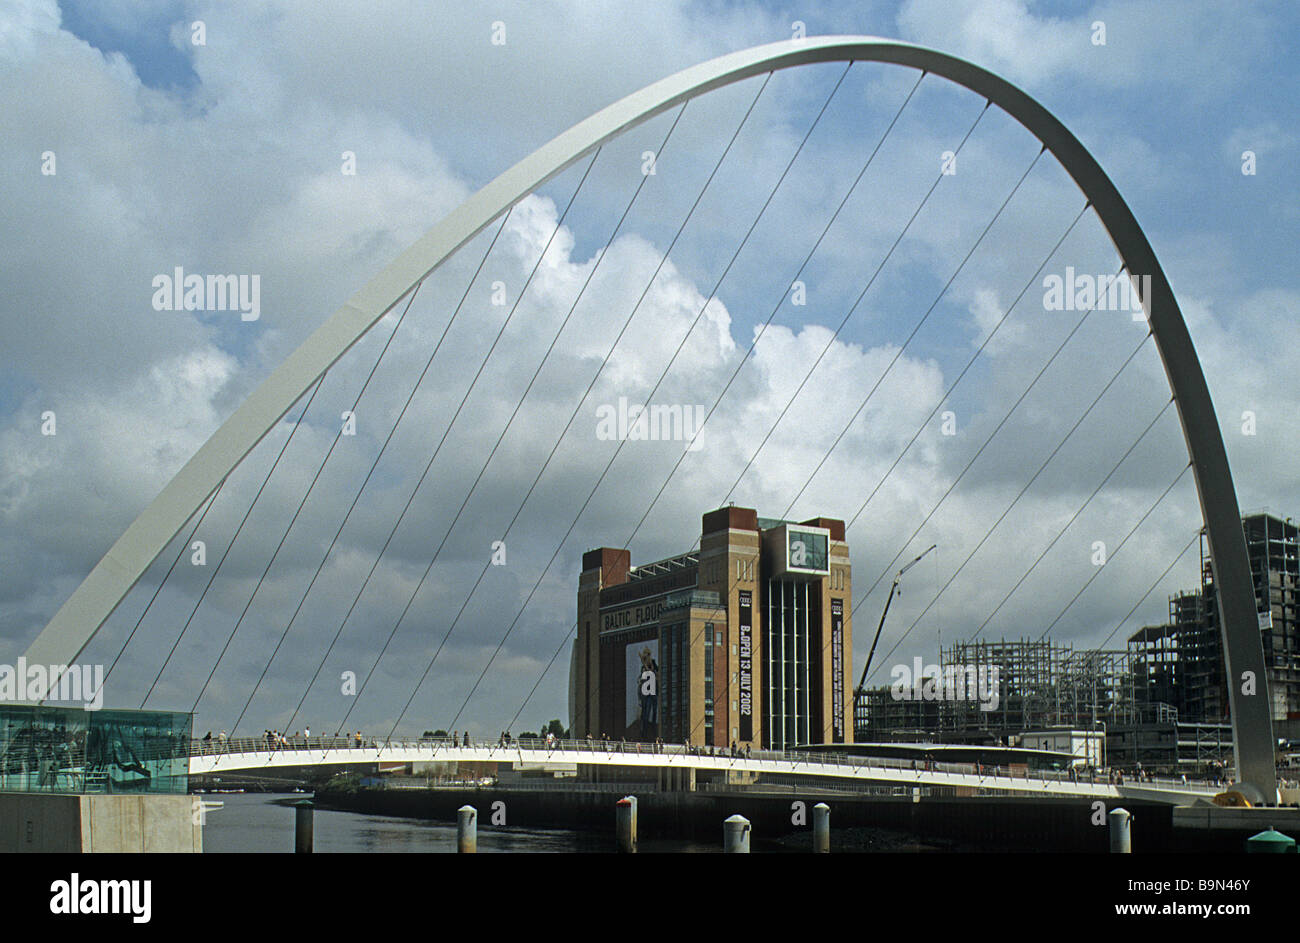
(261, 822)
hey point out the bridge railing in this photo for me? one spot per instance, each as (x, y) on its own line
(554, 749)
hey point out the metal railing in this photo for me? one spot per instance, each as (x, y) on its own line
(517, 748)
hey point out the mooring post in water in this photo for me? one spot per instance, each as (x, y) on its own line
(303, 827)
(625, 819)
(735, 835)
(1121, 832)
(821, 828)
(467, 830)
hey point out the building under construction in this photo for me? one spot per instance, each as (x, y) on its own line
(1130, 695)
(1040, 684)
(1182, 661)
(1273, 546)
(1162, 700)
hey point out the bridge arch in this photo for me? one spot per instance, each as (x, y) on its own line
(76, 622)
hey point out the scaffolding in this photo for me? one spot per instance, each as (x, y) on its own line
(1042, 684)
(1157, 674)
(1132, 694)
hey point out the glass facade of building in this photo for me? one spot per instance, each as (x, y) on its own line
(709, 641)
(72, 750)
(787, 666)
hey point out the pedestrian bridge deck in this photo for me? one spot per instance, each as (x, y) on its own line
(264, 753)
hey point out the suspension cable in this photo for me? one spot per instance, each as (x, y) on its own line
(244, 520)
(373, 465)
(438, 448)
(482, 470)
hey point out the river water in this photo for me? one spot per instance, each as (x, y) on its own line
(264, 822)
(261, 822)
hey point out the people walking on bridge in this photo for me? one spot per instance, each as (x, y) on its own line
(306, 735)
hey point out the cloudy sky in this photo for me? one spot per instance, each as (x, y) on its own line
(221, 138)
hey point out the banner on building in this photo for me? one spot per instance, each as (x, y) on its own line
(746, 673)
(837, 670)
(641, 690)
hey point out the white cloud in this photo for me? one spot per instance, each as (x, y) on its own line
(243, 175)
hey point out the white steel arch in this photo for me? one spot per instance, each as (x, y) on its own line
(76, 622)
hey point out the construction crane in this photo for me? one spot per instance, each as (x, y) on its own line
(893, 591)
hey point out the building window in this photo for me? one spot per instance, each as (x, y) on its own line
(708, 681)
(787, 671)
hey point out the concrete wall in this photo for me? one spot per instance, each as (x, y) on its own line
(143, 823)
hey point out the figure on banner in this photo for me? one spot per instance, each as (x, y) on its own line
(649, 694)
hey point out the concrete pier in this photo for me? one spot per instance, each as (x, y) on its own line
(102, 823)
(303, 827)
(821, 828)
(735, 835)
(467, 830)
(1121, 832)
(625, 824)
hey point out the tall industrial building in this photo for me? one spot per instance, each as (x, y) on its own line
(1189, 648)
(1274, 550)
(748, 641)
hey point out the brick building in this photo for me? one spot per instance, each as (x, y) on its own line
(748, 640)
